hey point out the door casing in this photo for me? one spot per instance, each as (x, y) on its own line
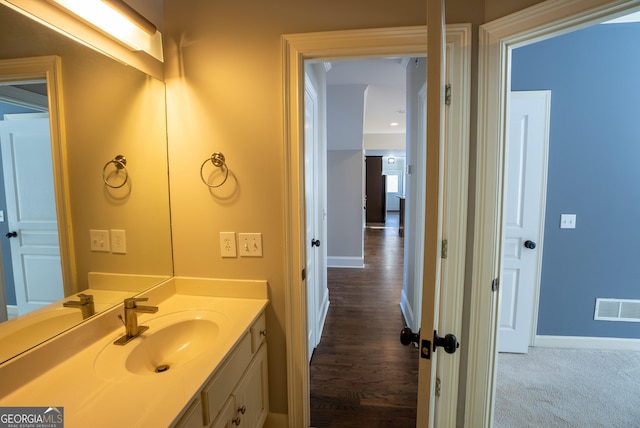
(49, 69)
(405, 41)
(497, 39)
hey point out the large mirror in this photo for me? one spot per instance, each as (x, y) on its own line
(84, 199)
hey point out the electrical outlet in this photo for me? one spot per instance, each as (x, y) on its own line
(228, 244)
(250, 244)
(118, 241)
(99, 240)
(567, 221)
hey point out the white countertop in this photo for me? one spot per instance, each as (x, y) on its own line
(91, 398)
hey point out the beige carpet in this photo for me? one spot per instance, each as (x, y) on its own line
(568, 388)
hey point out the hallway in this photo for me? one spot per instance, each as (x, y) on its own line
(361, 376)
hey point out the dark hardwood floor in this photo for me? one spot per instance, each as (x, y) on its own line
(361, 376)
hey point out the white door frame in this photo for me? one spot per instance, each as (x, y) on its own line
(497, 39)
(406, 41)
(49, 68)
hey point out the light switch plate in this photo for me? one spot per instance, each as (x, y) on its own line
(99, 240)
(567, 221)
(250, 244)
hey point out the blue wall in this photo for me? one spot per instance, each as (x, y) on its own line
(594, 172)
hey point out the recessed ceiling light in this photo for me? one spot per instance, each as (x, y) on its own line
(394, 124)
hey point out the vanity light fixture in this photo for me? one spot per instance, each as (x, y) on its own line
(118, 20)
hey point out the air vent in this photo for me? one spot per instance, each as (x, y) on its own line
(617, 310)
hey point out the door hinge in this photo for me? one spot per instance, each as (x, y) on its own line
(438, 387)
(447, 94)
(304, 274)
(445, 248)
(494, 284)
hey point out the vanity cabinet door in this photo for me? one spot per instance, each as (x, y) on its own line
(252, 393)
(227, 416)
(192, 417)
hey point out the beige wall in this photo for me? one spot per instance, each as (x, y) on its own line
(224, 93)
(112, 109)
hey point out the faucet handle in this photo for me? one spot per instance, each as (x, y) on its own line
(85, 298)
(130, 302)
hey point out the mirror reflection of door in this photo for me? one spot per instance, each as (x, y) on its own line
(31, 268)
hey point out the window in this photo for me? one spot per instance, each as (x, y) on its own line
(392, 183)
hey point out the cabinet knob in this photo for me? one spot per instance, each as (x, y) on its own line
(236, 421)
(263, 332)
(242, 410)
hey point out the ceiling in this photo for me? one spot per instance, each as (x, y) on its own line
(386, 79)
(385, 100)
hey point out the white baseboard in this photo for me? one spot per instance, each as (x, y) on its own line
(12, 311)
(407, 312)
(345, 262)
(324, 310)
(578, 342)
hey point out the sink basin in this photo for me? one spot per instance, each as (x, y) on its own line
(171, 342)
(172, 346)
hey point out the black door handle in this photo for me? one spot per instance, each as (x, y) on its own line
(407, 337)
(449, 342)
(315, 243)
(11, 234)
(529, 244)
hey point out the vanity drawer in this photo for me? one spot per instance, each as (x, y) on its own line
(218, 389)
(258, 333)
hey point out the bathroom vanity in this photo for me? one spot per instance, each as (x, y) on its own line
(202, 362)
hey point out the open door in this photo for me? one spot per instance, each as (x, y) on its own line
(298, 48)
(430, 341)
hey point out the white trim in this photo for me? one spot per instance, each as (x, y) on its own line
(49, 68)
(539, 22)
(404, 41)
(12, 311)
(345, 262)
(322, 316)
(407, 312)
(579, 342)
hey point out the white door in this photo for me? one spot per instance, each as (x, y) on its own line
(525, 194)
(31, 210)
(311, 191)
(436, 61)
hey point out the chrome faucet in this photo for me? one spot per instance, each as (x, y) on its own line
(85, 304)
(131, 309)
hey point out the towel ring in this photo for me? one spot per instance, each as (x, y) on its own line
(217, 159)
(120, 162)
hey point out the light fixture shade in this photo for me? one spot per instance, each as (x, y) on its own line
(118, 21)
(132, 15)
